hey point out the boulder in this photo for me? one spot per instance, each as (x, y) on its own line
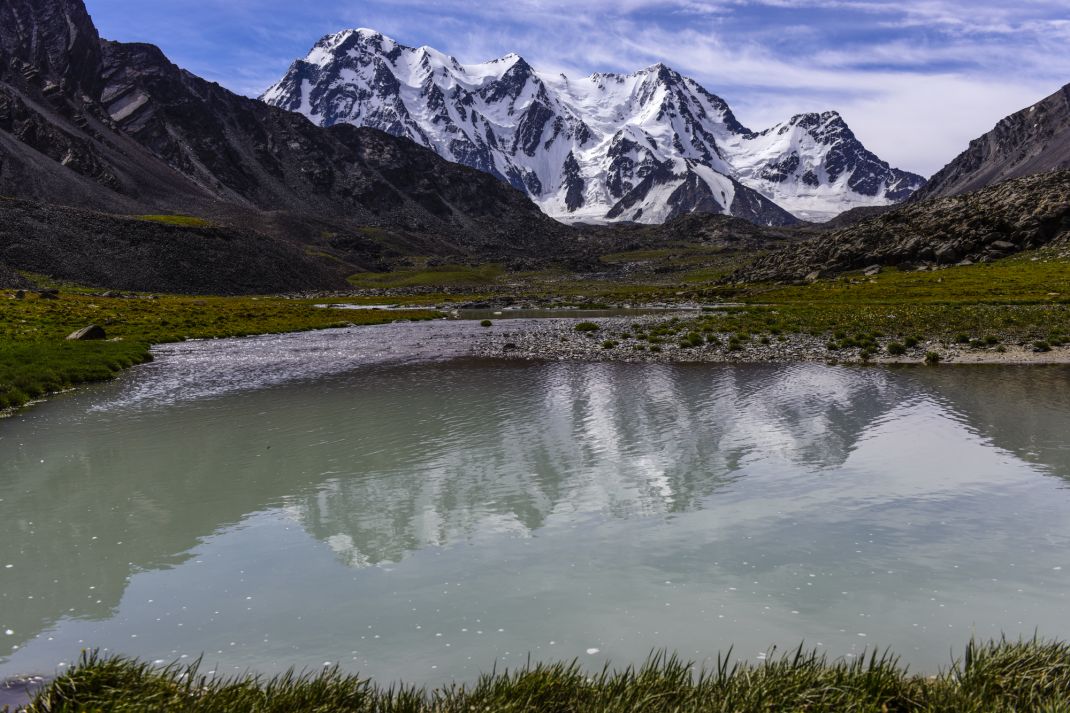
(873, 270)
(85, 334)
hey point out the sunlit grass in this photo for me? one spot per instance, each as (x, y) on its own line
(997, 677)
(177, 221)
(441, 276)
(36, 359)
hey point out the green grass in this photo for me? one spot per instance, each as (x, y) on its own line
(997, 677)
(177, 221)
(36, 359)
(30, 371)
(441, 276)
(1034, 278)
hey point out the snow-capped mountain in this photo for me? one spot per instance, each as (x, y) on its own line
(642, 147)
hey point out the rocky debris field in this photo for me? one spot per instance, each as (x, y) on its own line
(628, 339)
(1001, 220)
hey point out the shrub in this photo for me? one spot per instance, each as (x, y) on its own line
(1041, 346)
(896, 349)
(587, 327)
(911, 342)
(486, 323)
(609, 344)
(932, 358)
(991, 340)
(962, 338)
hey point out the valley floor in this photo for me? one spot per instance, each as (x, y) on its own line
(1011, 311)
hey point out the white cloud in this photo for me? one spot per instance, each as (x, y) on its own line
(916, 79)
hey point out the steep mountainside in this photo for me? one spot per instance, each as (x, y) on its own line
(997, 221)
(117, 127)
(1033, 140)
(125, 253)
(641, 147)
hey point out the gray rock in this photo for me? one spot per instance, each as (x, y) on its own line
(1032, 141)
(90, 333)
(873, 270)
(941, 231)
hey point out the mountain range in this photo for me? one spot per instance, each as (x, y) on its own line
(97, 138)
(116, 127)
(641, 147)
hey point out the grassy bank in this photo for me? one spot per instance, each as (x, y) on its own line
(1020, 300)
(36, 359)
(997, 677)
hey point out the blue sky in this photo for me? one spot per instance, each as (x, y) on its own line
(915, 79)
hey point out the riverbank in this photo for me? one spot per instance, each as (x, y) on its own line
(684, 338)
(990, 678)
(1010, 311)
(37, 359)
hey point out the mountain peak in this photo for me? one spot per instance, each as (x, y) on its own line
(644, 146)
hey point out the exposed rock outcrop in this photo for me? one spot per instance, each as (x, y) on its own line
(998, 221)
(1033, 140)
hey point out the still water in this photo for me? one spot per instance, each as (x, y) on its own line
(374, 498)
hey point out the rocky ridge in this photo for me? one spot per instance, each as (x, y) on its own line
(1033, 140)
(117, 127)
(1020, 214)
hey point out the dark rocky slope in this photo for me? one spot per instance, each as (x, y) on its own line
(117, 127)
(103, 250)
(1033, 140)
(1016, 215)
(11, 279)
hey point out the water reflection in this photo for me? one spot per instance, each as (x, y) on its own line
(384, 462)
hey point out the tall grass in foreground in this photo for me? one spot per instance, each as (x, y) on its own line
(997, 677)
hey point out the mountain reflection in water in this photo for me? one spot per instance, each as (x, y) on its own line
(728, 475)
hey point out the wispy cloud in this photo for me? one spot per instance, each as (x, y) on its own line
(916, 79)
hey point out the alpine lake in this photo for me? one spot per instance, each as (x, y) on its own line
(378, 499)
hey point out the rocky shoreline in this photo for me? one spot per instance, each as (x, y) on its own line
(558, 340)
(18, 692)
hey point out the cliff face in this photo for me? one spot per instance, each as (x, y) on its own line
(51, 44)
